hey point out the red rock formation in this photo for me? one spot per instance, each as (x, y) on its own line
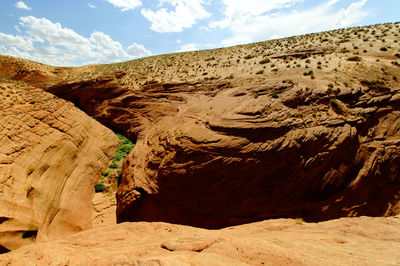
(347, 241)
(212, 154)
(50, 153)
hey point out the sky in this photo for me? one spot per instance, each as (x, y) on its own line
(81, 32)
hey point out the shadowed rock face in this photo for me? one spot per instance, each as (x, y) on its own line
(225, 160)
(50, 153)
(213, 154)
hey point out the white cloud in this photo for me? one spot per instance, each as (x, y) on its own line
(238, 11)
(126, 4)
(15, 41)
(137, 50)
(91, 5)
(247, 28)
(50, 43)
(188, 47)
(22, 5)
(185, 15)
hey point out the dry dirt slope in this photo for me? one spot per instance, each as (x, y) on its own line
(300, 127)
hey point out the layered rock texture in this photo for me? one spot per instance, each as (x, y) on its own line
(304, 127)
(252, 132)
(50, 153)
(347, 241)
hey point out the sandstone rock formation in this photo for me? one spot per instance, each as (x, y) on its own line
(291, 142)
(305, 127)
(233, 158)
(50, 153)
(347, 241)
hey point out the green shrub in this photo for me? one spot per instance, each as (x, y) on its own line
(377, 85)
(354, 58)
(383, 49)
(105, 173)
(126, 148)
(260, 72)
(265, 61)
(275, 96)
(249, 56)
(99, 187)
(113, 166)
(334, 103)
(309, 73)
(118, 156)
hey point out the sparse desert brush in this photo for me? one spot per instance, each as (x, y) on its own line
(354, 58)
(260, 72)
(308, 73)
(377, 85)
(265, 61)
(334, 103)
(249, 56)
(99, 187)
(383, 49)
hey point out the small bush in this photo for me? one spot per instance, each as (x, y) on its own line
(383, 49)
(260, 72)
(376, 85)
(309, 73)
(397, 55)
(99, 187)
(354, 58)
(126, 147)
(249, 56)
(113, 166)
(105, 173)
(275, 96)
(334, 103)
(265, 61)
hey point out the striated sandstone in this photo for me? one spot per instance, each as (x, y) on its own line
(232, 158)
(50, 153)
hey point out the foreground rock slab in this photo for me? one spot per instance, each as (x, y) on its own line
(346, 241)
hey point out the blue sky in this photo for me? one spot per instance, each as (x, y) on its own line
(79, 32)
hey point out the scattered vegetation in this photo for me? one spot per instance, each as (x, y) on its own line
(354, 58)
(376, 85)
(114, 169)
(99, 187)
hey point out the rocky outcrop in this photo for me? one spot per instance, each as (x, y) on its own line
(240, 154)
(50, 154)
(217, 153)
(347, 241)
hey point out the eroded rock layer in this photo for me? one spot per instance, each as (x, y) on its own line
(50, 153)
(347, 241)
(306, 126)
(234, 158)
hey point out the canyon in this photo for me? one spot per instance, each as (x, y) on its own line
(289, 140)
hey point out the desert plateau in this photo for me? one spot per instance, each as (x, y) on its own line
(282, 152)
